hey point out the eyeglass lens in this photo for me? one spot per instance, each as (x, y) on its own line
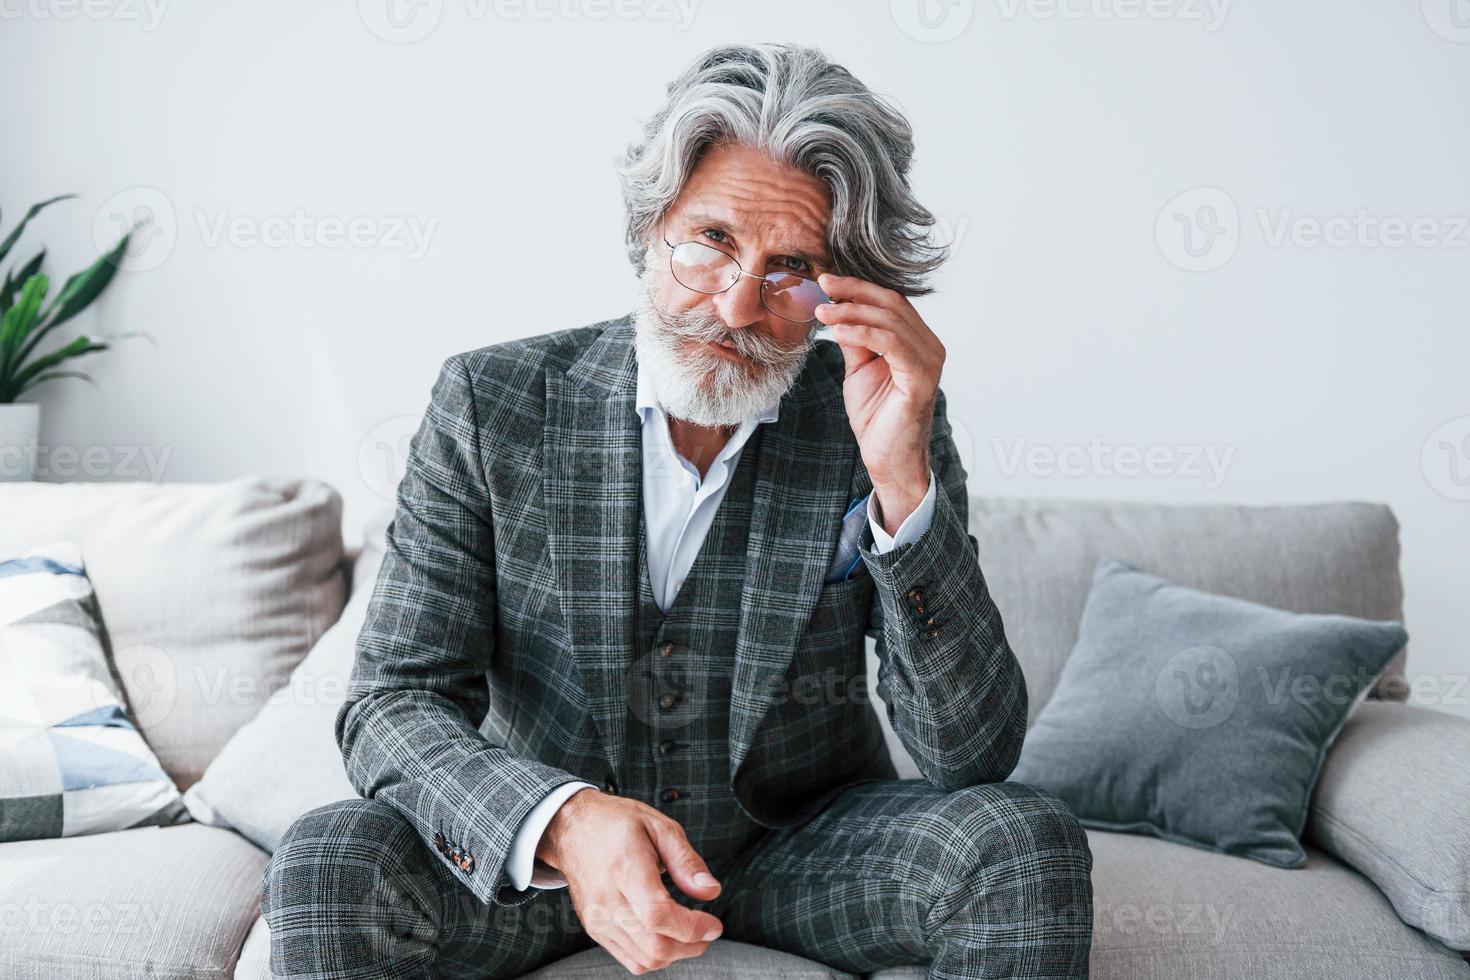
(708, 270)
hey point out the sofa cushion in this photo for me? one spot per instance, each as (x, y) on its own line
(161, 902)
(211, 593)
(71, 759)
(286, 761)
(1197, 717)
(1038, 557)
(255, 955)
(1163, 910)
(1391, 803)
(723, 960)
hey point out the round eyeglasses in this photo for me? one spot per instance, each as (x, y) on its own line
(705, 269)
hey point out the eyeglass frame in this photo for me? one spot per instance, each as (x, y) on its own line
(765, 279)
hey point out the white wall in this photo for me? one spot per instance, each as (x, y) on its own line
(1053, 137)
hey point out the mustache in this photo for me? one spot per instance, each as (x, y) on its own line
(749, 342)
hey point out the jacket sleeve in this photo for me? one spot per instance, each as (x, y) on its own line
(409, 725)
(953, 689)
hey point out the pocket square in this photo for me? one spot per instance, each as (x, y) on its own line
(847, 559)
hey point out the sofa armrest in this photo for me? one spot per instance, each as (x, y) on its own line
(1391, 802)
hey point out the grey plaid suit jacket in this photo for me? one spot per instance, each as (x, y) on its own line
(494, 661)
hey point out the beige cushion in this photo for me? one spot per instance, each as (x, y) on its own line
(161, 902)
(211, 593)
(1391, 803)
(255, 955)
(286, 761)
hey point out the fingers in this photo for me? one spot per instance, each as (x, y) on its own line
(623, 950)
(663, 916)
(684, 864)
(649, 930)
(623, 902)
(662, 930)
(601, 919)
(867, 303)
(879, 331)
(854, 355)
(628, 927)
(851, 289)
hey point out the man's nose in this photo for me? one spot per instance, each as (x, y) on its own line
(740, 305)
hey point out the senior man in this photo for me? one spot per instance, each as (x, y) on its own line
(609, 688)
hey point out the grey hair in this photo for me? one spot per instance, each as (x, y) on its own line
(797, 107)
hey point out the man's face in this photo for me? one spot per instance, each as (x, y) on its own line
(720, 358)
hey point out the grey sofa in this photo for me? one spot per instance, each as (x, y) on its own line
(184, 901)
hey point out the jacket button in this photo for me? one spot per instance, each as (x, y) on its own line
(667, 746)
(667, 650)
(667, 701)
(610, 787)
(670, 795)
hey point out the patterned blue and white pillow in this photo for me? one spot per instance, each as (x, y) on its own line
(71, 760)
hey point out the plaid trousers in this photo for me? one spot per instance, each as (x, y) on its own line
(992, 880)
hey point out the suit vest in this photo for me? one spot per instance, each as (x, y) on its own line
(678, 758)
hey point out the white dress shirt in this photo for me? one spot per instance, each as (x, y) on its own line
(678, 509)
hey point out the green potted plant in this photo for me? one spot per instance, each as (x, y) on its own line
(27, 314)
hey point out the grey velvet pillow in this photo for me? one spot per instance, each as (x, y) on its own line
(1200, 718)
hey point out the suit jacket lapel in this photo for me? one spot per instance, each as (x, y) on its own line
(593, 489)
(802, 481)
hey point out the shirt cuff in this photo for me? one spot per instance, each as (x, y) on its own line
(521, 864)
(913, 526)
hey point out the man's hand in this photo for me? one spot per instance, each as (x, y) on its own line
(611, 852)
(893, 362)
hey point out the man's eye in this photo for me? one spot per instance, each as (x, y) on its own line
(714, 231)
(797, 265)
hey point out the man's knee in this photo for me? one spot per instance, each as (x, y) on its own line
(1018, 886)
(1001, 834)
(351, 887)
(348, 818)
(335, 851)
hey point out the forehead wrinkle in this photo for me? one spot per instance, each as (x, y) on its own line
(703, 213)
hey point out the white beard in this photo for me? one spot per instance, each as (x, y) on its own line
(704, 388)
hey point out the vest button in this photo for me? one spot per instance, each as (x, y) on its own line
(670, 795)
(667, 746)
(667, 650)
(667, 701)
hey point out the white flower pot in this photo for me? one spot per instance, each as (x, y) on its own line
(20, 434)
